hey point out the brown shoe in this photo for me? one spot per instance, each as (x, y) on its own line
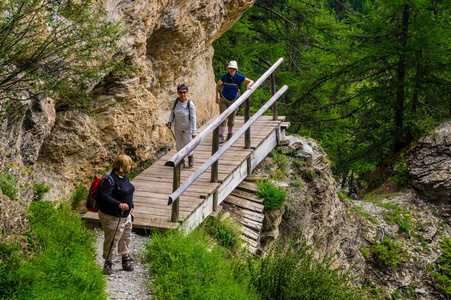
(108, 268)
(191, 161)
(127, 264)
(229, 136)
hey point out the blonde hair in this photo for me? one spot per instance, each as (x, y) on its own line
(121, 163)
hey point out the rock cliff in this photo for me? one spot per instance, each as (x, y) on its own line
(168, 43)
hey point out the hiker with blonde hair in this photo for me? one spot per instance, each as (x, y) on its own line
(115, 213)
(231, 82)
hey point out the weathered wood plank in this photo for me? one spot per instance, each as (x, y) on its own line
(250, 205)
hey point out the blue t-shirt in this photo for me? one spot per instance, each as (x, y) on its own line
(230, 91)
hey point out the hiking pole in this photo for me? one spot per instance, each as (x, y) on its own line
(112, 242)
(170, 128)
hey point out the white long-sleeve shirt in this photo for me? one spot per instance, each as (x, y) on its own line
(181, 120)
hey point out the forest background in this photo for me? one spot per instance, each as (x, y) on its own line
(366, 77)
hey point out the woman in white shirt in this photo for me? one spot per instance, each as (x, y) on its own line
(183, 116)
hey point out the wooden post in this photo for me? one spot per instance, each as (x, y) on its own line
(214, 149)
(175, 186)
(272, 78)
(215, 200)
(247, 116)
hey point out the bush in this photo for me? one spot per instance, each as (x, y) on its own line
(64, 268)
(39, 189)
(79, 194)
(289, 272)
(188, 266)
(390, 253)
(273, 196)
(9, 183)
(401, 171)
(225, 231)
(443, 275)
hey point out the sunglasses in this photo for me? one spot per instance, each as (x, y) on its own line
(183, 92)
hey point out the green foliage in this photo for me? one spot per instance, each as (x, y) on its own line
(401, 171)
(400, 218)
(64, 268)
(390, 252)
(289, 272)
(363, 83)
(273, 196)
(189, 266)
(39, 189)
(9, 183)
(10, 262)
(225, 231)
(365, 252)
(54, 48)
(309, 175)
(78, 195)
(443, 268)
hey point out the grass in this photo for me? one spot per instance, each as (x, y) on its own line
(190, 266)
(63, 266)
(225, 231)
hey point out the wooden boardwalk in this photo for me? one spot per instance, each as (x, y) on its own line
(154, 185)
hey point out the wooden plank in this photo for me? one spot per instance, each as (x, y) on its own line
(251, 233)
(250, 205)
(246, 195)
(257, 226)
(248, 187)
(258, 217)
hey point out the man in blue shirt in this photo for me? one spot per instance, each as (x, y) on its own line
(232, 81)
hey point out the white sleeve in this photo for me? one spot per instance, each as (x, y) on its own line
(192, 112)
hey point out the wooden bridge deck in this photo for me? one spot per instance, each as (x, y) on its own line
(154, 185)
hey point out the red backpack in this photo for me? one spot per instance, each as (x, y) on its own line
(92, 202)
(94, 196)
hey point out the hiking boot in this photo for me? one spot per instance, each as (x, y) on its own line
(191, 161)
(221, 139)
(108, 268)
(229, 136)
(182, 164)
(127, 264)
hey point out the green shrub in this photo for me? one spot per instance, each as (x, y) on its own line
(189, 266)
(225, 231)
(309, 175)
(443, 268)
(65, 266)
(289, 272)
(389, 252)
(78, 195)
(401, 171)
(10, 262)
(273, 196)
(9, 183)
(39, 189)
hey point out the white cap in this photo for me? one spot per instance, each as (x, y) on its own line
(233, 64)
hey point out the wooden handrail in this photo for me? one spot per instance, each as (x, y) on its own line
(179, 156)
(176, 194)
(175, 161)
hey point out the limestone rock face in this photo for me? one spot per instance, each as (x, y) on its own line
(430, 164)
(168, 43)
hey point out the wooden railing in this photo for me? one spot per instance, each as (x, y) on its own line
(175, 161)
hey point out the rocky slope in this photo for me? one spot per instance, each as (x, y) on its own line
(168, 42)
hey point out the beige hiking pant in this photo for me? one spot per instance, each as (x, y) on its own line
(122, 238)
(223, 105)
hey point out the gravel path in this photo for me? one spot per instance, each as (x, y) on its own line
(122, 285)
